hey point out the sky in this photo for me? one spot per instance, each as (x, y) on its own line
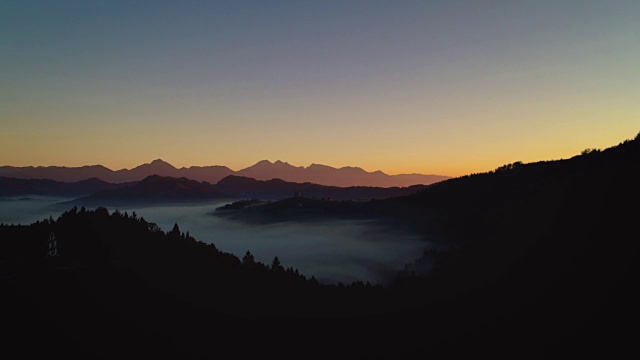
(433, 87)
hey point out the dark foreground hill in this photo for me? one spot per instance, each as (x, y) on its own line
(94, 284)
(545, 264)
(546, 252)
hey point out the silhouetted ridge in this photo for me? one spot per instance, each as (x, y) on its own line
(546, 244)
(542, 259)
(156, 189)
(262, 170)
(159, 165)
(276, 189)
(237, 180)
(96, 243)
(93, 181)
(16, 187)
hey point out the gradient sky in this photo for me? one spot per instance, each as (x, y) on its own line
(434, 87)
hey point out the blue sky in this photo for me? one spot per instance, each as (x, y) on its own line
(401, 86)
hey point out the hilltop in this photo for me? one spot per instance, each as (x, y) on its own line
(542, 259)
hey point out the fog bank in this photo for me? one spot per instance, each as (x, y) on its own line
(332, 251)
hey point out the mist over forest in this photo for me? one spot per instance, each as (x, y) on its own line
(538, 247)
(332, 250)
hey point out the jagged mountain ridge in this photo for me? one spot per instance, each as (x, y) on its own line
(262, 170)
(138, 173)
(551, 266)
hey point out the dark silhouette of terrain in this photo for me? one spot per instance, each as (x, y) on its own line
(263, 170)
(296, 208)
(543, 260)
(542, 256)
(155, 189)
(276, 189)
(93, 283)
(326, 175)
(156, 167)
(159, 189)
(17, 187)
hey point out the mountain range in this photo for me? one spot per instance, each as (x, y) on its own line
(540, 258)
(17, 187)
(153, 189)
(165, 189)
(276, 189)
(263, 170)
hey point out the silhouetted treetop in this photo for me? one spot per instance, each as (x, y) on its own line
(276, 265)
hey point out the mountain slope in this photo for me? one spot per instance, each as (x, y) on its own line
(155, 189)
(330, 176)
(546, 250)
(546, 261)
(542, 256)
(17, 187)
(159, 189)
(263, 170)
(157, 167)
(277, 189)
(59, 173)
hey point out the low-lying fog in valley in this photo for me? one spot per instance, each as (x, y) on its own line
(332, 251)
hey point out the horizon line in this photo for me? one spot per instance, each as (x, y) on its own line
(225, 166)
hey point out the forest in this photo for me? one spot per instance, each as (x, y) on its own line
(542, 260)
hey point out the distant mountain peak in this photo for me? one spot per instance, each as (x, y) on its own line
(160, 162)
(319, 166)
(266, 164)
(262, 170)
(354, 169)
(286, 164)
(93, 180)
(157, 165)
(153, 177)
